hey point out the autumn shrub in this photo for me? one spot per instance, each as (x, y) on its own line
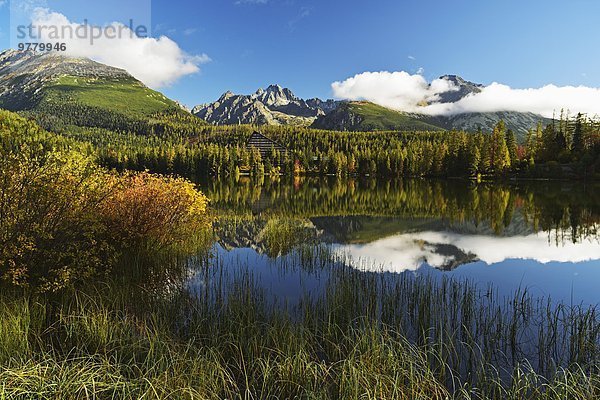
(153, 210)
(64, 220)
(50, 232)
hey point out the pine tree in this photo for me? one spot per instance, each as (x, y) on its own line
(511, 143)
(577, 146)
(475, 161)
(499, 154)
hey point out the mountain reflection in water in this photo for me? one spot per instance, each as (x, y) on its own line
(446, 250)
(514, 235)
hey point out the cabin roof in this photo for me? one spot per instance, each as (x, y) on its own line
(264, 144)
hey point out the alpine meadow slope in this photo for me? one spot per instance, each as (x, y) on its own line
(77, 91)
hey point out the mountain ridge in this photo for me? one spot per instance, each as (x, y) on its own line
(367, 116)
(276, 105)
(81, 89)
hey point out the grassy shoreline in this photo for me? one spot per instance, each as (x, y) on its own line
(364, 337)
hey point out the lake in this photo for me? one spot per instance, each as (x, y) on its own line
(538, 237)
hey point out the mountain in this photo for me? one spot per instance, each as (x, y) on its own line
(52, 83)
(79, 91)
(279, 106)
(272, 106)
(518, 122)
(365, 116)
(463, 89)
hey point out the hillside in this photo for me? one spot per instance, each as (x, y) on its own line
(123, 95)
(77, 91)
(518, 122)
(365, 116)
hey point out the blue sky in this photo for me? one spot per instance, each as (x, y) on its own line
(307, 45)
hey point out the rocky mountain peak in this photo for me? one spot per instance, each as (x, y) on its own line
(274, 88)
(23, 74)
(277, 96)
(464, 88)
(227, 95)
(273, 105)
(55, 64)
(459, 81)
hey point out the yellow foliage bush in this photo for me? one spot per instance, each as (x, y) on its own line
(153, 210)
(63, 219)
(50, 234)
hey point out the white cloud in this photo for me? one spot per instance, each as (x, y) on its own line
(408, 251)
(398, 90)
(26, 6)
(406, 92)
(157, 62)
(412, 58)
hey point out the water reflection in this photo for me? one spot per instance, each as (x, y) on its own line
(447, 250)
(566, 283)
(364, 210)
(280, 279)
(542, 235)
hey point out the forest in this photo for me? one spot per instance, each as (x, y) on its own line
(172, 142)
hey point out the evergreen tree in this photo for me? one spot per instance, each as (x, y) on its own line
(577, 146)
(499, 154)
(511, 144)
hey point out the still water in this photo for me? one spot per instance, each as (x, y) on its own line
(538, 236)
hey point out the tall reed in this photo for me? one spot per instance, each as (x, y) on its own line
(364, 335)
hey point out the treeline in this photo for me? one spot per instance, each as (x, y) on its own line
(567, 140)
(178, 143)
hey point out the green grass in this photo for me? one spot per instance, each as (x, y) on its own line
(125, 96)
(364, 338)
(378, 118)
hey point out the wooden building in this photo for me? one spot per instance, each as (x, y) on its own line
(265, 145)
